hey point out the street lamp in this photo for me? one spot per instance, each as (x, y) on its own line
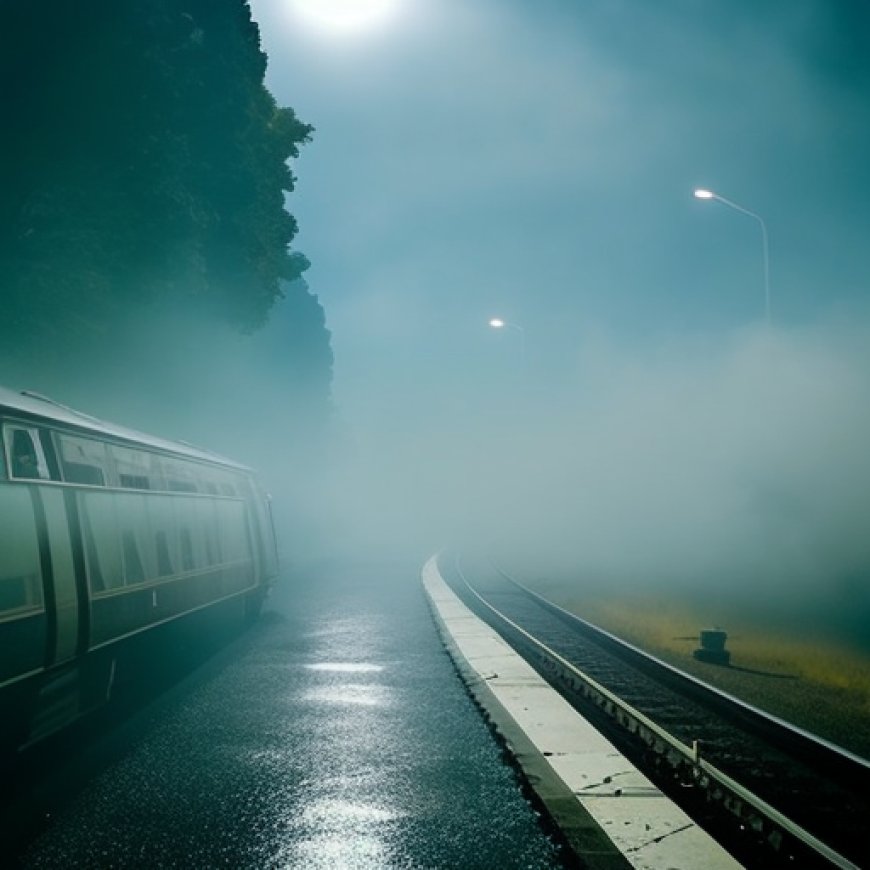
(700, 193)
(498, 323)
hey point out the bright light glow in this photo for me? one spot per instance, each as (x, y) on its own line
(704, 194)
(345, 16)
(346, 667)
(496, 323)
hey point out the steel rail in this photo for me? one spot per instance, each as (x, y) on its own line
(688, 754)
(795, 733)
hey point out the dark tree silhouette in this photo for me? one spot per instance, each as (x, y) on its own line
(143, 163)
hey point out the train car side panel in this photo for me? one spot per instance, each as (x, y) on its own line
(111, 543)
(64, 643)
(152, 558)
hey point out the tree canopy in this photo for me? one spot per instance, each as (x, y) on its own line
(143, 163)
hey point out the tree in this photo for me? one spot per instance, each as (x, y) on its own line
(143, 163)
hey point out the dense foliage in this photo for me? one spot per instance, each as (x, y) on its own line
(143, 165)
(146, 273)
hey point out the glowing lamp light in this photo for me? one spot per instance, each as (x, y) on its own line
(701, 193)
(496, 323)
(346, 16)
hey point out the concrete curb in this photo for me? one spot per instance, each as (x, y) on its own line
(611, 815)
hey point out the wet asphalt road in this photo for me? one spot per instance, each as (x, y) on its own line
(334, 734)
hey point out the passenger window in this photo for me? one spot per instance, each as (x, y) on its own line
(179, 476)
(213, 481)
(134, 572)
(173, 484)
(26, 458)
(164, 563)
(134, 481)
(134, 468)
(209, 530)
(162, 512)
(137, 537)
(102, 540)
(233, 531)
(82, 460)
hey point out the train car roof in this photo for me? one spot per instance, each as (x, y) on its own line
(43, 409)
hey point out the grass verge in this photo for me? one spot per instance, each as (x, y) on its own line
(808, 680)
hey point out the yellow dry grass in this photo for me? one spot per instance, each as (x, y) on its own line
(661, 628)
(813, 682)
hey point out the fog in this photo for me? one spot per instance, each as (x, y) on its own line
(536, 163)
(735, 464)
(727, 465)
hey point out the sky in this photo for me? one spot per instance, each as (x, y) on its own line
(536, 162)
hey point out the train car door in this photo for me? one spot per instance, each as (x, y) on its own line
(59, 697)
(66, 597)
(28, 461)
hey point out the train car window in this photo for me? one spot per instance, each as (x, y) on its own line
(176, 485)
(220, 481)
(163, 525)
(233, 530)
(26, 457)
(207, 524)
(92, 557)
(164, 563)
(20, 572)
(134, 571)
(82, 460)
(138, 547)
(50, 454)
(135, 468)
(180, 476)
(102, 540)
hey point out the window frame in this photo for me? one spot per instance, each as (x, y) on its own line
(10, 427)
(106, 470)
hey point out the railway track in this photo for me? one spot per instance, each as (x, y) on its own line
(775, 795)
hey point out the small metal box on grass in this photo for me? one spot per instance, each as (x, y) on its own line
(712, 647)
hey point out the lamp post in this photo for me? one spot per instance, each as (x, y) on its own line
(498, 323)
(700, 193)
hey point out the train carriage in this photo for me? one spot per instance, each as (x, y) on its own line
(107, 534)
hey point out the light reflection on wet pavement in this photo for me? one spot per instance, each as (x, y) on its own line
(336, 735)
